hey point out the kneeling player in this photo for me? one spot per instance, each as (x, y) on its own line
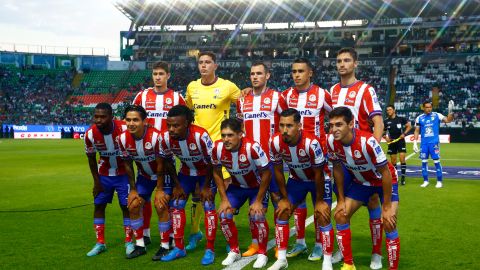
(365, 160)
(140, 144)
(304, 157)
(109, 176)
(192, 145)
(248, 165)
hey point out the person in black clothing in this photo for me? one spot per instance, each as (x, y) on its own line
(397, 128)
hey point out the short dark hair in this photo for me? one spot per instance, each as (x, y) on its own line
(391, 106)
(426, 101)
(260, 63)
(303, 60)
(209, 53)
(163, 65)
(345, 112)
(104, 106)
(231, 123)
(181, 110)
(135, 108)
(292, 112)
(349, 50)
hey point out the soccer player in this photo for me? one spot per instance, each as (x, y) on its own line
(259, 112)
(304, 157)
(428, 125)
(397, 128)
(312, 102)
(192, 145)
(210, 98)
(157, 101)
(362, 156)
(109, 175)
(140, 144)
(362, 100)
(248, 165)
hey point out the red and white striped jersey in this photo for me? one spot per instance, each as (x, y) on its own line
(143, 151)
(360, 98)
(110, 162)
(157, 105)
(361, 158)
(194, 152)
(312, 104)
(300, 158)
(260, 116)
(243, 165)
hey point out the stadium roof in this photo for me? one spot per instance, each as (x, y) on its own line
(207, 12)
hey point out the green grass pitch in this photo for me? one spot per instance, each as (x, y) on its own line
(438, 227)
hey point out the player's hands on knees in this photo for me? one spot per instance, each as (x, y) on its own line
(161, 199)
(256, 209)
(341, 208)
(225, 207)
(322, 212)
(97, 188)
(178, 193)
(389, 217)
(133, 200)
(284, 208)
(206, 194)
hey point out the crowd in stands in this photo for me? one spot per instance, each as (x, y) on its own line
(48, 97)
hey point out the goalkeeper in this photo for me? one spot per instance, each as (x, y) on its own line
(396, 129)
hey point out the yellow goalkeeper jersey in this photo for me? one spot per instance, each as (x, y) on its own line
(211, 103)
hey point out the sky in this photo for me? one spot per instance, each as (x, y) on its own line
(56, 24)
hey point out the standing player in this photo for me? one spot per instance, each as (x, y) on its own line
(248, 165)
(304, 157)
(362, 100)
(428, 125)
(192, 145)
(397, 128)
(312, 102)
(109, 175)
(362, 156)
(157, 101)
(210, 98)
(259, 112)
(140, 144)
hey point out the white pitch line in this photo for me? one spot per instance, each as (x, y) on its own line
(408, 157)
(244, 261)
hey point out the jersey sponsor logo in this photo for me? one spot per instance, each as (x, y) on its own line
(305, 112)
(190, 159)
(144, 159)
(399, 126)
(312, 98)
(302, 153)
(299, 166)
(151, 114)
(168, 101)
(260, 115)
(352, 94)
(357, 154)
(109, 153)
(192, 146)
(204, 106)
(356, 168)
(266, 100)
(148, 145)
(242, 158)
(239, 172)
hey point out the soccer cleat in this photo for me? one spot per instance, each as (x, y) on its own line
(147, 240)
(327, 264)
(337, 257)
(160, 253)
(425, 183)
(348, 267)
(316, 254)
(208, 257)
(138, 251)
(376, 262)
(403, 181)
(439, 184)
(97, 249)
(276, 252)
(261, 261)
(231, 258)
(279, 265)
(252, 250)
(129, 247)
(296, 250)
(193, 240)
(176, 253)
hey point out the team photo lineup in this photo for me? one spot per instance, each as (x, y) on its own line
(274, 134)
(242, 158)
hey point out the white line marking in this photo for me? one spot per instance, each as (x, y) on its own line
(408, 157)
(244, 261)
